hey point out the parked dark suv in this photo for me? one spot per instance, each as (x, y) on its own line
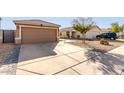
(109, 35)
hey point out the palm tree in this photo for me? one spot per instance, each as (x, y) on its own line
(83, 25)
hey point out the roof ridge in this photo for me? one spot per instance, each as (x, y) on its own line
(36, 20)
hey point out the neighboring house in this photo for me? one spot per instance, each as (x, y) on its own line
(105, 30)
(35, 31)
(69, 32)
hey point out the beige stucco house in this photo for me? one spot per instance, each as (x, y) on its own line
(105, 30)
(69, 32)
(35, 31)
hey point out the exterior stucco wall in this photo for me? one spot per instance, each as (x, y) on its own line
(17, 37)
(1, 36)
(78, 34)
(93, 33)
(17, 32)
(63, 34)
(89, 35)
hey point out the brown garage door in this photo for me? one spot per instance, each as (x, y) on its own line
(38, 35)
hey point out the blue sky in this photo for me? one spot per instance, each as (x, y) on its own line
(102, 22)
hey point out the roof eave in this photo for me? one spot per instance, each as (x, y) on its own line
(36, 25)
(22, 23)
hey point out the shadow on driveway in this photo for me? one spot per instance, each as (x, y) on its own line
(109, 63)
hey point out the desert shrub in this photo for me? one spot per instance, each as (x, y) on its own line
(104, 42)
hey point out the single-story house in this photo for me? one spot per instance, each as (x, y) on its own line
(35, 31)
(69, 32)
(105, 30)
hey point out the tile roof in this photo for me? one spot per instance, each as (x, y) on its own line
(67, 29)
(71, 28)
(35, 22)
(105, 30)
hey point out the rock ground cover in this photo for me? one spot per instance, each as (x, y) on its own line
(9, 58)
(95, 44)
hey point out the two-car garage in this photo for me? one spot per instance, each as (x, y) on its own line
(36, 31)
(36, 35)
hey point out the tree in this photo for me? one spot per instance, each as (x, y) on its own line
(122, 29)
(83, 25)
(115, 27)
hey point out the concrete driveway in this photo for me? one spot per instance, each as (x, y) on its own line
(65, 59)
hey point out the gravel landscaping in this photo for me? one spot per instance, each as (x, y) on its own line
(9, 59)
(95, 44)
(4, 51)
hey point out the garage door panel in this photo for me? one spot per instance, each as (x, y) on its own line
(37, 35)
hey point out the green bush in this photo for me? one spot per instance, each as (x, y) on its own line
(122, 36)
